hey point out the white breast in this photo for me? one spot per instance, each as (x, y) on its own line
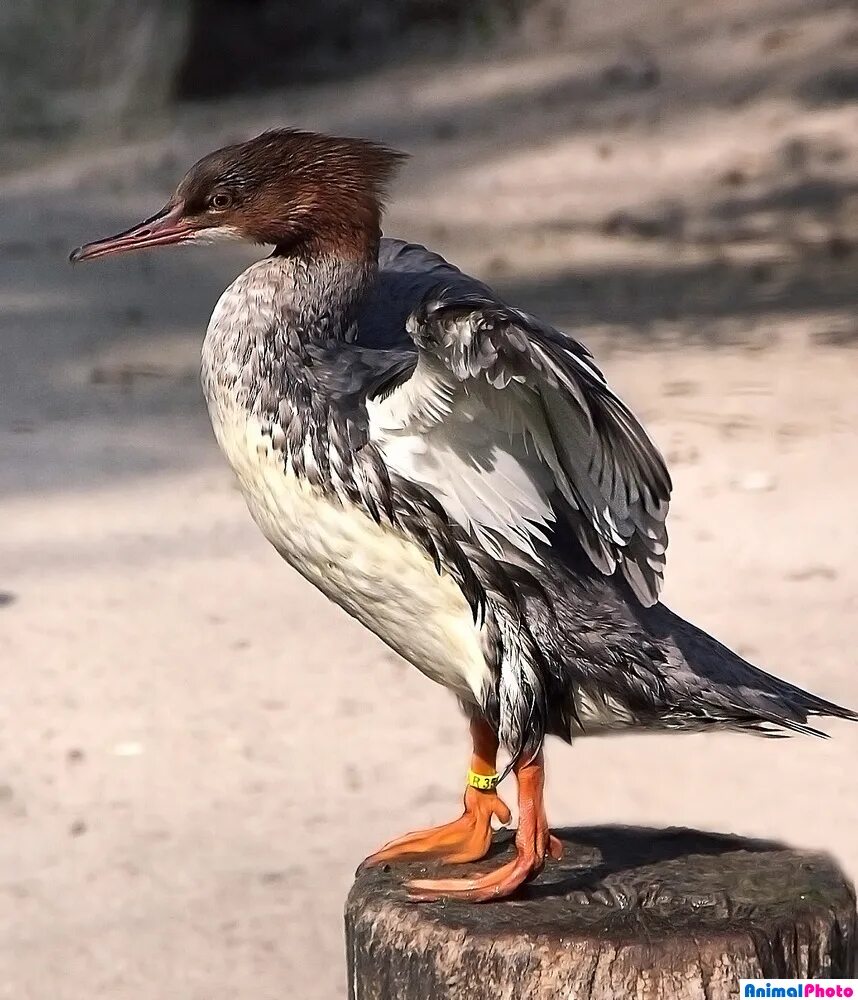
(374, 572)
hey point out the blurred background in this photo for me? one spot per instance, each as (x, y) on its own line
(196, 747)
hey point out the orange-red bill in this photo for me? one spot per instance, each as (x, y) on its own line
(164, 228)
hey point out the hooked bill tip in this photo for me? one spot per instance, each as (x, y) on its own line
(75, 255)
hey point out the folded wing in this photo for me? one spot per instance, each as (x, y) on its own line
(512, 426)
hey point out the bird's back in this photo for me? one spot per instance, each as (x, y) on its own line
(407, 274)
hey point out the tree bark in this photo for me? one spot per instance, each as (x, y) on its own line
(627, 913)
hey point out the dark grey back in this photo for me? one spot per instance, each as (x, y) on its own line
(407, 273)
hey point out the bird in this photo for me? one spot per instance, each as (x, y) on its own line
(456, 474)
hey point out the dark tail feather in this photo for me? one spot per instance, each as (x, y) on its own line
(727, 688)
(795, 706)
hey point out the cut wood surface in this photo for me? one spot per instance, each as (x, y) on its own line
(627, 913)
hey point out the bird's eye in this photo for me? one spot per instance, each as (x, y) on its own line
(220, 200)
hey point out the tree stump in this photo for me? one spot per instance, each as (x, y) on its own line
(628, 912)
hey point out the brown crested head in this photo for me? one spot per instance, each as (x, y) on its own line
(302, 192)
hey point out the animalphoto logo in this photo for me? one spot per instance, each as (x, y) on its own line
(803, 988)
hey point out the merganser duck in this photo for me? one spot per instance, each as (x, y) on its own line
(453, 472)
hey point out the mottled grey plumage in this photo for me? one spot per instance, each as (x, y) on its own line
(455, 474)
(570, 641)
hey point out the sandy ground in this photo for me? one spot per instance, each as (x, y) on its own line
(197, 749)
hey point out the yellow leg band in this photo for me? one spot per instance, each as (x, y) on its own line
(485, 782)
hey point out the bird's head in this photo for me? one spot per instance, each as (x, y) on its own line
(298, 191)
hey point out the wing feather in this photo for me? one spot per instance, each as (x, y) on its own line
(503, 412)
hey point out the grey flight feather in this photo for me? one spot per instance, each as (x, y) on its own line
(514, 426)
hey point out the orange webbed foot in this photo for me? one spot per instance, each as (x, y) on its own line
(533, 845)
(466, 839)
(499, 884)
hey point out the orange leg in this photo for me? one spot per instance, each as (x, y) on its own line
(469, 837)
(533, 843)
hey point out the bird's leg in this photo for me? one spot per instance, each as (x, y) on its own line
(469, 837)
(533, 843)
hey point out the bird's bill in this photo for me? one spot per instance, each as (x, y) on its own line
(163, 229)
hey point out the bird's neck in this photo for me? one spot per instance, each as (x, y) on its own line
(265, 324)
(318, 295)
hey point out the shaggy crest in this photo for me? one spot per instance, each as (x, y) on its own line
(292, 188)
